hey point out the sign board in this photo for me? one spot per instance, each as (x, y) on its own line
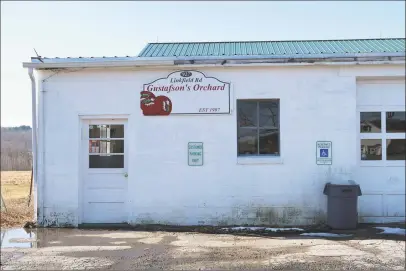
(195, 153)
(324, 153)
(185, 92)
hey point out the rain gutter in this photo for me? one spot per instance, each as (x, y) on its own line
(34, 139)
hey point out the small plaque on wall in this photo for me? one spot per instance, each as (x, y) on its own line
(195, 153)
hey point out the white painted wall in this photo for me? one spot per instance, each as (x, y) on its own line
(316, 103)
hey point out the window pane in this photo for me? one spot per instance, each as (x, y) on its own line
(117, 131)
(269, 114)
(395, 122)
(247, 141)
(106, 161)
(247, 113)
(370, 122)
(269, 142)
(395, 149)
(371, 149)
(106, 131)
(94, 131)
(106, 146)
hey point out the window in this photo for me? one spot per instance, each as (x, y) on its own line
(395, 149)
(370, 122)
(383, 136)
(371, 149)
(395, 122)
(258, 127)
(106, 146)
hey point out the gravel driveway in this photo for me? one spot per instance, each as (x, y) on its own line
(125, 250)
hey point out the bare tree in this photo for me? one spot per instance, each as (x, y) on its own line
(16, 148)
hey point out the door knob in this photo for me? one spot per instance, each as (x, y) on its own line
(126, 174)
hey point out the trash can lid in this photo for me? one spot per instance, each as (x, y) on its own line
(342, 190)
(343, 182)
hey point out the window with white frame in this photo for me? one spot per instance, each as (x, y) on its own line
(106, 146)
(382, 136)
(258, 127)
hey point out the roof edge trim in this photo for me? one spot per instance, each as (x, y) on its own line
(171, 61)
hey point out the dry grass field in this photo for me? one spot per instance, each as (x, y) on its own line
(15, 188)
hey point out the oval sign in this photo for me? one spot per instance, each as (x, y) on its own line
(185, 74)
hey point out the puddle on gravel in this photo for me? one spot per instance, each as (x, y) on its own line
(59, 237)
(18, 238)
(121, 239)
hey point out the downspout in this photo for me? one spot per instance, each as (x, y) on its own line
(34, 140)
(41, 116)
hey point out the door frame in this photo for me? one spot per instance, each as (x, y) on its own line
(82, 119)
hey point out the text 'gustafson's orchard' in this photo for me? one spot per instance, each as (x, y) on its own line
(195, 86)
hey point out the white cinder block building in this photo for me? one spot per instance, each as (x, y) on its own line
(220, 133)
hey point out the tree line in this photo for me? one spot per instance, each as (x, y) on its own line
(16, 147)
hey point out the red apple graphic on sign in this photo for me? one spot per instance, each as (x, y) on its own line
(155, 106)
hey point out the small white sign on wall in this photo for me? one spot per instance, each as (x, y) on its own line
(324, 153)
(195, 153)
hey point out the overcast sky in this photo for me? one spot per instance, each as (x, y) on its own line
(123, 28)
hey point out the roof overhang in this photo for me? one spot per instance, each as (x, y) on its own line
(101, 62)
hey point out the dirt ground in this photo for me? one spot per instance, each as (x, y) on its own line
(15, 189)
(128, 250)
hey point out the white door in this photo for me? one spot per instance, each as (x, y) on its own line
(381, 152)
(104, 189)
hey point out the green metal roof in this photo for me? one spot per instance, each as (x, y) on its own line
(269, 48)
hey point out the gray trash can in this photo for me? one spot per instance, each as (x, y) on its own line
(342, 200)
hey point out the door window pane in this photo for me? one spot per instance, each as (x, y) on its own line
(106, 161)
(371, 149)
(247, 141)
(269, 114)
(106, 131)
(268, 142)
(106, 146)
(395, 149)
(247, 113)
(395, 122)
(117, 131)
(370, 122)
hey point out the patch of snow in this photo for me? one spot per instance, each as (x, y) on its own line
(284, 229)
(389, 230)
(244, 228)
(260, 229)
(325, 234)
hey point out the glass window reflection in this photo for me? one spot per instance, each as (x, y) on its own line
(395, 122)
(396, 149)
(371, 149)
(370, 122)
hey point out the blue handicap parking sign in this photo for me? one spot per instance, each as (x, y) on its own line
(323, 152)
